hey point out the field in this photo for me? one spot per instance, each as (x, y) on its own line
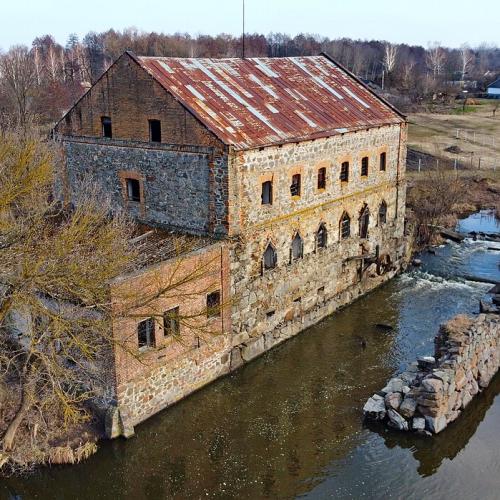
(471, 137)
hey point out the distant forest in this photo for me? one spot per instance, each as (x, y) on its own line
(38, 83)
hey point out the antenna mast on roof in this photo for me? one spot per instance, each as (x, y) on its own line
(243, 34)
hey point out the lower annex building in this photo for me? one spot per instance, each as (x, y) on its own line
(283, 177)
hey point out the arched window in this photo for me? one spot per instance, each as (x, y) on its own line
(270, 258)
(321, 236)
(345, 226)
(382, 213)
(364, 222)
(297, 249)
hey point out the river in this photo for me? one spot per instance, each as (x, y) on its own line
(290, 424)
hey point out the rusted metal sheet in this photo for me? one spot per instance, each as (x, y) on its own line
(250, 103)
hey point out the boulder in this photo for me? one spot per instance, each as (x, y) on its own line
(396, 420)
(375, 408)
(432, 385)
(426, 362)
(393, 400)
(394, 385)
(418, 424)
(408, 407)
(436, 424)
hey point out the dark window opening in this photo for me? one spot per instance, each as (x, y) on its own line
(382, 213)
(344, 171)
(270, 257)
(298, 300)
(146, 333)
(322, 178)
(321, 236)
(364, 166)
(270, 314)
(345, 226)
(155, 130)
(364, 221)
(383, 161)
(107, 130)
(267, 193)
(171, 323)
(321, 290)
(133, 190)
(297, 247)
(295, 186)
(213, 304)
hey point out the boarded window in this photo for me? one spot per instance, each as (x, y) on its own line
(213, 304)
(107, 130)
(344, 171)
(146, 333)
(364, 166)
(297, 247)
(171, 323)
(364, 222)
(382, 213)
(267, 193)
(133, 189)
(345, 226)
(321, 236)
(295, 186)
(322, 178)
(383, 161)
(155, 130)
(270, 257)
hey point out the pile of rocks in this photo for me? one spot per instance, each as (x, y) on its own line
(433, 391)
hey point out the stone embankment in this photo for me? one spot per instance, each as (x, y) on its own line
(433, 391)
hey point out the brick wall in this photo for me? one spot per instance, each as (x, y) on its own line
(150, 379)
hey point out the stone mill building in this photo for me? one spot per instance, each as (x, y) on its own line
(286, 174)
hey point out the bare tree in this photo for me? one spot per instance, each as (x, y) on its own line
(19, 75)
(436, 57)
(466, 59)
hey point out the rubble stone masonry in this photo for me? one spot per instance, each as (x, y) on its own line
(271, 305)
(434, 391)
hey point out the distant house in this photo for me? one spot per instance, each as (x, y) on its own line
(494, 89)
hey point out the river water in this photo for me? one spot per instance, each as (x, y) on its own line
(290, 423)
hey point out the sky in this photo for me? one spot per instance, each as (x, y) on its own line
(450, 22)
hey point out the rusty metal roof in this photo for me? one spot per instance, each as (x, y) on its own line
(250, 103)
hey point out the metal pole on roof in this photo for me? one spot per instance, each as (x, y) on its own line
(243, 34)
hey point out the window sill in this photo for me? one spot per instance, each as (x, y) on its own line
(320, 190)
(296, 197)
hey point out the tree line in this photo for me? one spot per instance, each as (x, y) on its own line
(41, 81)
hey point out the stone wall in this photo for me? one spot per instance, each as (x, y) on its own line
(299, 292)
(435, 390)
(182, 187)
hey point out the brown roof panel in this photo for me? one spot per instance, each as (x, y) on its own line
(250, 103)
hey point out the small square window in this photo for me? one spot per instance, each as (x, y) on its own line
(322, 178)
(171, 323)
(146, 333)
(364, 166)
(344, 171)
(155, 130)
(107, 130)
(295, 186)
(133, 189)
(267, 193)
(213, 304)
(383, 161)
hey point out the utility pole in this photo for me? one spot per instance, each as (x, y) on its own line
(243, 34)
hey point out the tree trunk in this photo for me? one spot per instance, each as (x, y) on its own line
(26, 401)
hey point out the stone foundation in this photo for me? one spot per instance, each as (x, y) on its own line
(435, 390)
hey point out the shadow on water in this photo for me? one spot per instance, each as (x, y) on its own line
(290, 423)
